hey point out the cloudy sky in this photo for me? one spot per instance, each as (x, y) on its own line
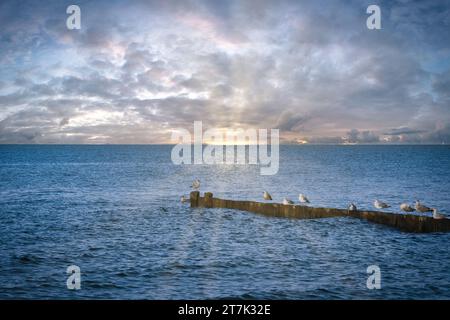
(139, 69)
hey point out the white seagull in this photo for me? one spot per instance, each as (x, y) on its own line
(287, 201)
(352, 207)
(437, 215)
(406, 207)
(267, 196)
(421, 208)
(183, 199)
(380, 205)
(302, 198)
(196, 184)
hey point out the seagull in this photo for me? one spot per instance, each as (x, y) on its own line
(196, 184)
(352, 207)
(183, 199)
(421, 208)
(380, 205)
(406, 207)
(437, 215)
(287, 201)
(267, 196)
(302, 198)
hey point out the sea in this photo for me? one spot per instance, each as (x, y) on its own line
(115, 212)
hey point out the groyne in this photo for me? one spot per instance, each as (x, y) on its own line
(404, 222)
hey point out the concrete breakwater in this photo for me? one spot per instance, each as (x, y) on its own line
(404, 222)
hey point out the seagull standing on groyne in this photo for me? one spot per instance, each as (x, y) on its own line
(303, 199)
(406, 207)
(380, 205)
(267, 196)
(196, 184)
(287, 201)
(421, 208)
(437, 215)
(352, 207)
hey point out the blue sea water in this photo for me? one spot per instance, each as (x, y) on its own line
(114, 211)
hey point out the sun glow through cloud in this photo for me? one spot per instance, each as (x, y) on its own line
(137, 69)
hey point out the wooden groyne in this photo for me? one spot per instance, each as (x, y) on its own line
(404, 222)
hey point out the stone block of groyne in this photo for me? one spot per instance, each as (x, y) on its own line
(404, 222)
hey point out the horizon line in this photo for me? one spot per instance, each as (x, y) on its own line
(206, 144)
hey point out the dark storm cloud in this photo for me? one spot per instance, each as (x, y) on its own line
(402, 131)
(356, 136)
(138, 69)
(289, 121)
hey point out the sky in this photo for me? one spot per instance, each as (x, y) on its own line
(138, 70)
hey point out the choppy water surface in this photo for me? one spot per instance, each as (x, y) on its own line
(114, 211)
